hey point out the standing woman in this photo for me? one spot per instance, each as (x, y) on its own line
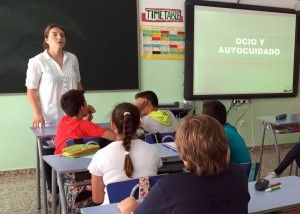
(49, 75)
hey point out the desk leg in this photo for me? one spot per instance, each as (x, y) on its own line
(38, 175)
(54, 183)
(276, 145)
(262, 148)
(62, 193)
(43, 175)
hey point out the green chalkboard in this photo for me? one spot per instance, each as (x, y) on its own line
(102, 34)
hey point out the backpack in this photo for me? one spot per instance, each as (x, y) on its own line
(78, 193)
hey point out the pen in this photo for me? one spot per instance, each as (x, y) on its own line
(275, 184)
(273, 188)
(169, 147)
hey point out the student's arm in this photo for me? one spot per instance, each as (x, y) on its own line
(32, 95)
(109, 134)
(94, 130)
(154, 202)
(97, 189)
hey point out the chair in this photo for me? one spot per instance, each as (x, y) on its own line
(159, 137)
(251, 169)
(120, 190)
(102, 142)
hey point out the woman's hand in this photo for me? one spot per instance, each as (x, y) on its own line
(128, 205)
(38, 121)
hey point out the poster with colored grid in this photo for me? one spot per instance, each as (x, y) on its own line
(162, 42)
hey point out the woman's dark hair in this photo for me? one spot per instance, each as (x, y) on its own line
(215, 109)
(71, 102)
(126, 118)
(47, 30)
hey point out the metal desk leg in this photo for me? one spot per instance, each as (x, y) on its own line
(43, 175)
(54, 183)
(38, 175)
(62, 193)
(291, 168)
(262, 148)
(276, 145)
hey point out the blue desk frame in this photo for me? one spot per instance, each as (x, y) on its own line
(40, 133)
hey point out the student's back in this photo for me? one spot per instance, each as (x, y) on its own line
(110, 161)
(126, 158)
(239, 152)
(161, 121)
(226, 193)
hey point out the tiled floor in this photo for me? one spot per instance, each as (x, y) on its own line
(18, 189)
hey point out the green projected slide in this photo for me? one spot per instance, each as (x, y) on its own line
(242, 51)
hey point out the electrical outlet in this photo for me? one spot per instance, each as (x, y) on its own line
(240, 102)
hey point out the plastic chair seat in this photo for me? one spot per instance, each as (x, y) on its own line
(120, 190)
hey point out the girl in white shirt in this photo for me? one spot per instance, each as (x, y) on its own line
(124, 159)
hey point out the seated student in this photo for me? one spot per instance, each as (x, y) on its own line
(76, 123)
(152, 119)
(239, 152)
(209, 185)
(293, 154)
(126, 158)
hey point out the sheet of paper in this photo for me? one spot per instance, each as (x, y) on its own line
(171, 145)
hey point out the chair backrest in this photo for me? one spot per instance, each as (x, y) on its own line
(255, 167)
(159, 137)
(120, 190)
(251, 169)
(102, 142)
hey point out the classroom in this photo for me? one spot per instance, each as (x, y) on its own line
(163, 75)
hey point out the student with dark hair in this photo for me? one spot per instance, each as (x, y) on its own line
(152, 119)
(76, 123)
(239, 152)
(209, 185)
(126, 158)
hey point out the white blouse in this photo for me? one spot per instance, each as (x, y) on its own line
(45, 75)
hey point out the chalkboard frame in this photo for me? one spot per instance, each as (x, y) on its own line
(102, 34)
